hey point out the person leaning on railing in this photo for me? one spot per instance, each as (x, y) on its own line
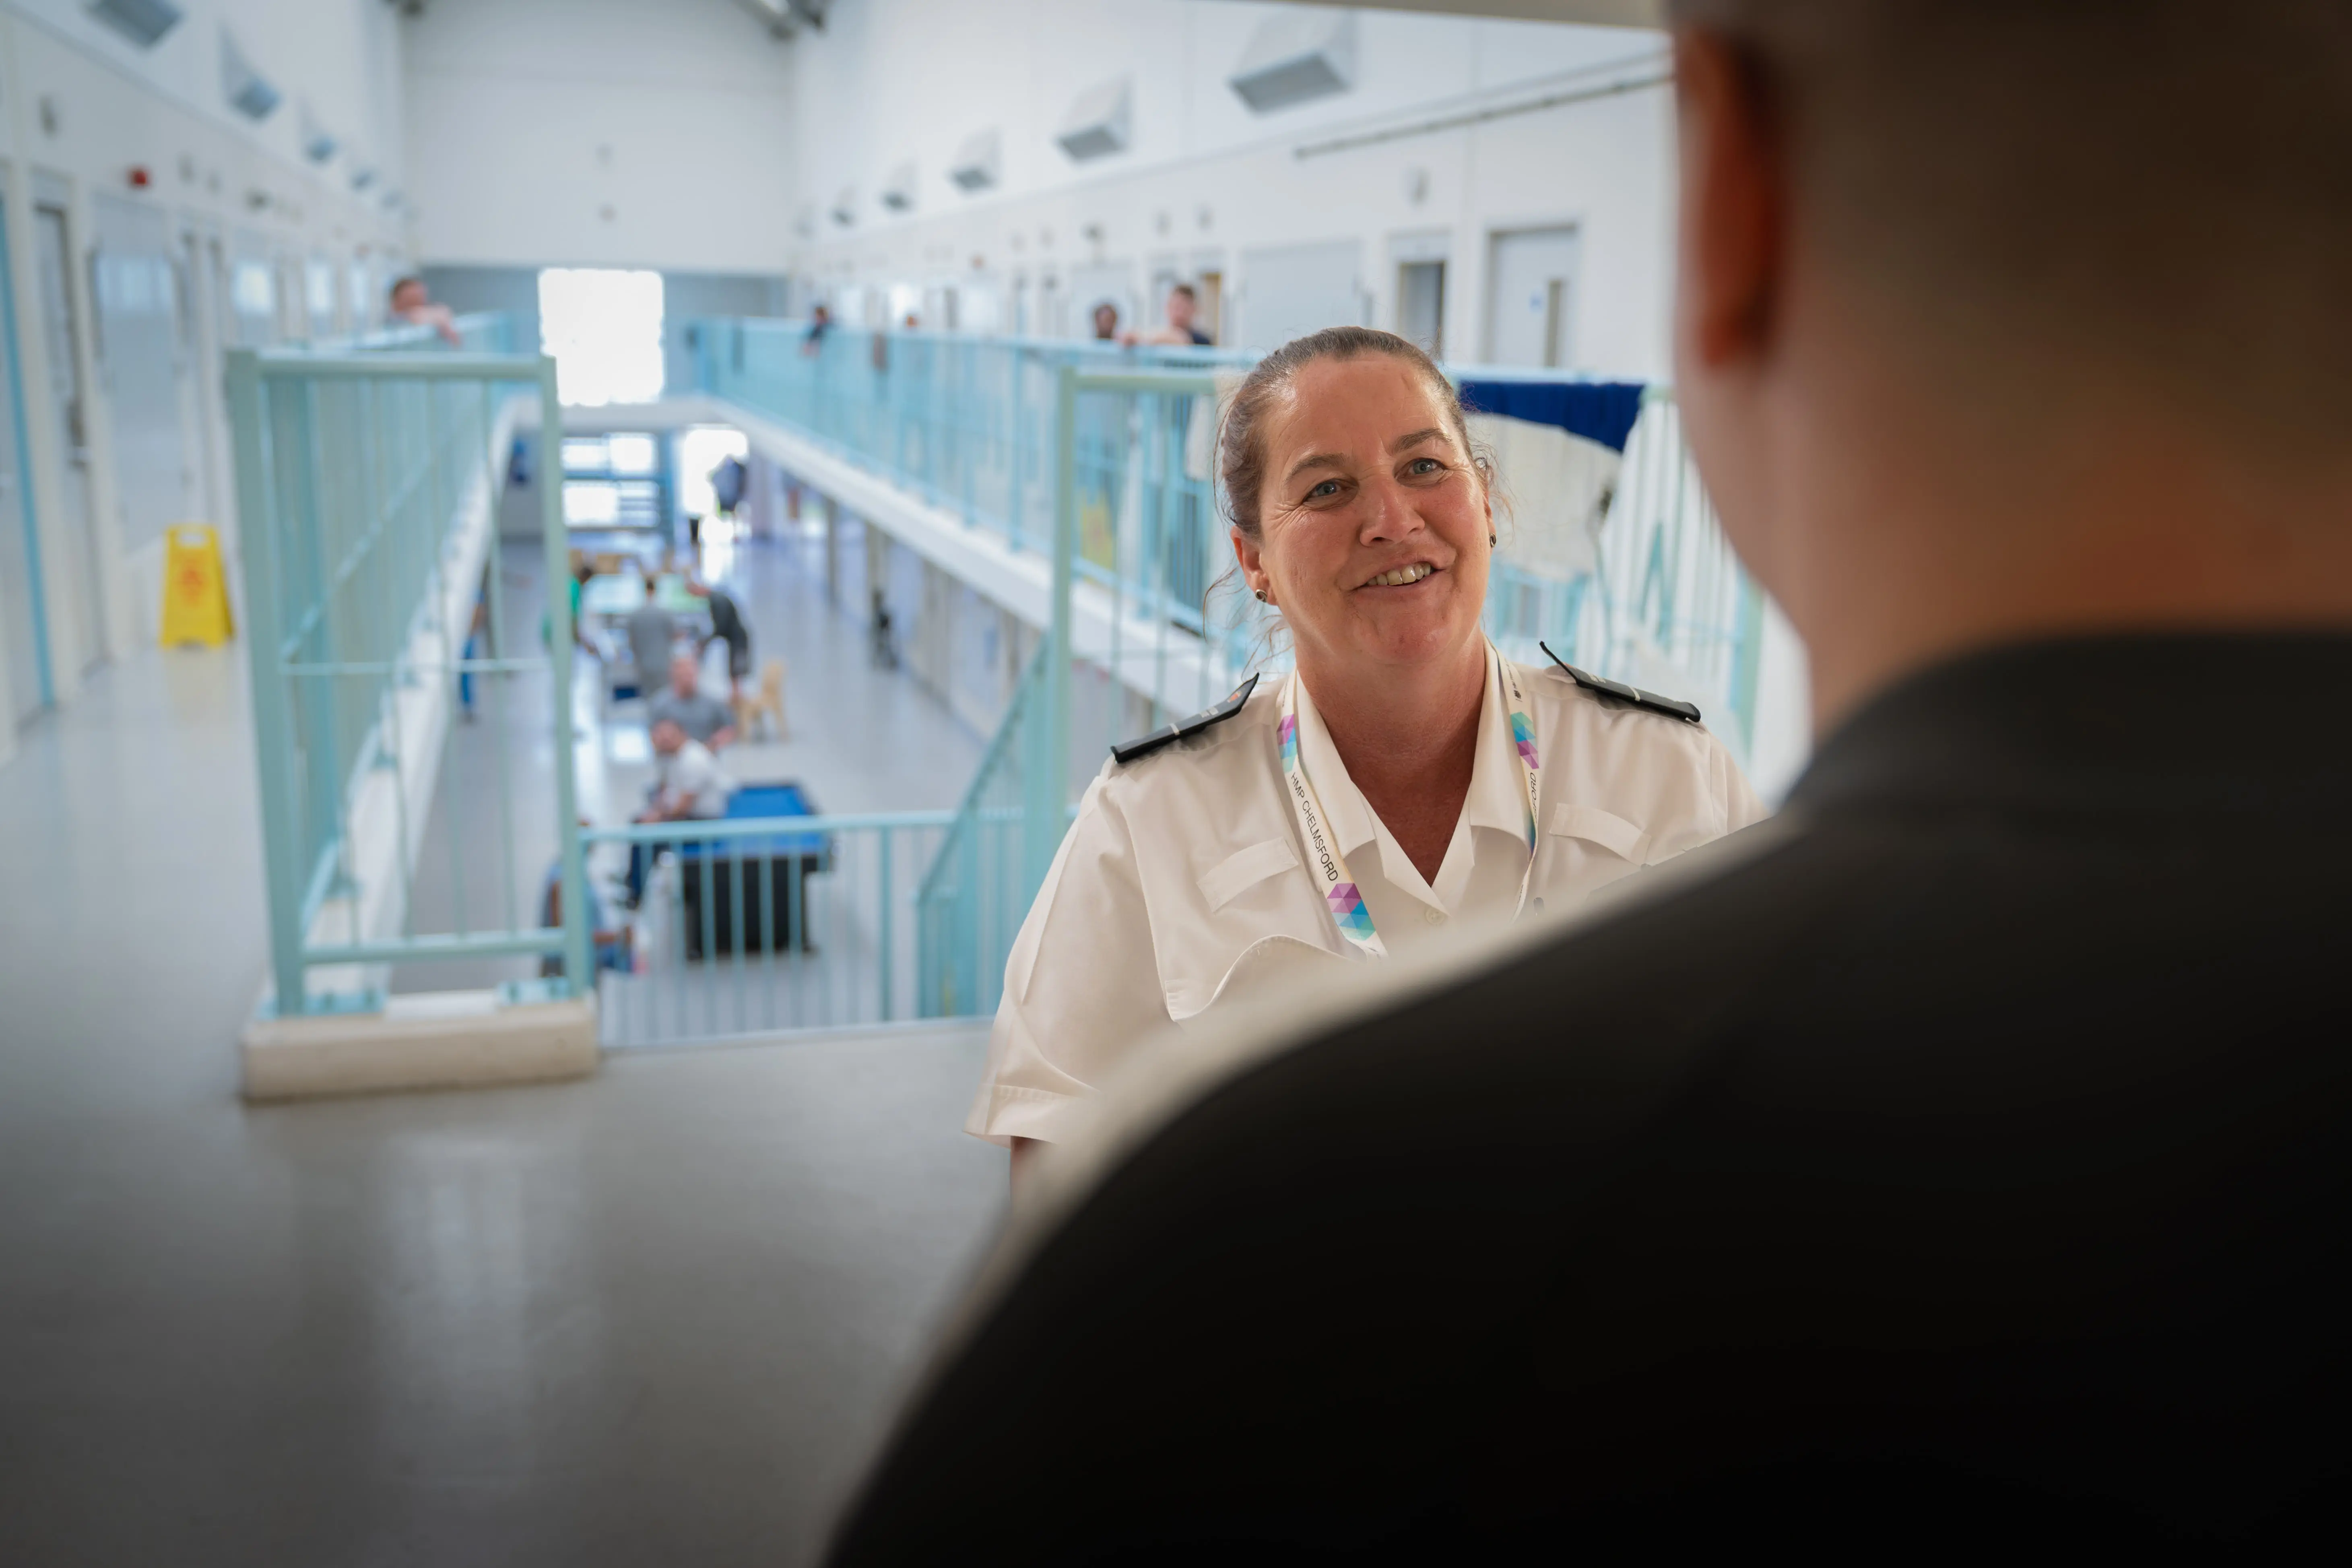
(1407, 778)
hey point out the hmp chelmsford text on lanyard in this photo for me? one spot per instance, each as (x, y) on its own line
(1340, 894)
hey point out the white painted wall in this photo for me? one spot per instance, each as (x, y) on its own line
(600, 132)
(80, 107)
(894, 82)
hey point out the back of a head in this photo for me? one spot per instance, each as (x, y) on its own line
(2161, 189)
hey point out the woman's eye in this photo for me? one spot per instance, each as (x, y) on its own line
(1424, 465)
(1325, 490)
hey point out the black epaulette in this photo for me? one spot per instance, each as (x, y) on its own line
(1207, 717)
(1624, 693)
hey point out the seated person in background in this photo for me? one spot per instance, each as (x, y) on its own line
(1960, 1160)
(688, 786)
(412, 306)
(1107, 323)
(610, 944)
(703, 718)
(653, 633)
(1182, 331)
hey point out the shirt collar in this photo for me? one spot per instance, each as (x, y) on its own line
(1497, 799)
(1498, 796)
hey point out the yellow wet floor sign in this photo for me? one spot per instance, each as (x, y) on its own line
(196, 596)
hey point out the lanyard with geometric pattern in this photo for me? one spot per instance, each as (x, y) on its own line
(1340, 894)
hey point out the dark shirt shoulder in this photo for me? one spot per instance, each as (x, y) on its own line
(1971, 1143)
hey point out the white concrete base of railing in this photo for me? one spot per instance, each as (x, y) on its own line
(448, 1039)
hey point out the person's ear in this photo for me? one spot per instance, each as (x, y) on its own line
(1251, 556)
(1734, 203)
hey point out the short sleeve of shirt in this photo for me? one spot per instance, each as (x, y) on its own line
(1078, 986)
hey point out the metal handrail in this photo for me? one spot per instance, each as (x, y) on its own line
(326, 450)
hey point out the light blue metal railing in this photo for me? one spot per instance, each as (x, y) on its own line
(367, 481)
(1666, 605)
(977, 887)
(745, 926)
(966, 423)
(1103, 459)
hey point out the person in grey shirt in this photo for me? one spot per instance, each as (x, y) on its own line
(652, 635)
(703, 718)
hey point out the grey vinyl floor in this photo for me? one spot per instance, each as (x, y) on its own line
(655, 1316)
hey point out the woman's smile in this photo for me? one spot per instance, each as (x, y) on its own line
(1406, 577)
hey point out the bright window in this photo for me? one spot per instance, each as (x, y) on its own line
(632, 453)
(604, 328)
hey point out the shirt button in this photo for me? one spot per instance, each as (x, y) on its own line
(1433, 915)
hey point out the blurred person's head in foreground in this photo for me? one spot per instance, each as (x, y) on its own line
(1999, 318)
(1961, 1155)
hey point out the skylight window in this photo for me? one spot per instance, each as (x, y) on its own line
(604, 328)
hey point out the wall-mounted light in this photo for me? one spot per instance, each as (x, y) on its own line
(979, 162)
(143, 22)
(1100, 121)
(1296, 56)
(248, 92)
(319, 143)
(898, 192)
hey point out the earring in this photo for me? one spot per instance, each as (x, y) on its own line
(1490, 542)
(1261, 594)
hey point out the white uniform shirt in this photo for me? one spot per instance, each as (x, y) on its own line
(692, 771)
(1183, 880)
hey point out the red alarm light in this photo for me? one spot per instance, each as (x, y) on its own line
(139, 176)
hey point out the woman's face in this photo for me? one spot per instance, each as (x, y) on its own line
(1372, 522)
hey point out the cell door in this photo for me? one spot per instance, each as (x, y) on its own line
(61, 341)
(1291, 291)
(1531, 298)
(29, 685)
(143, 365)
(1421, 305)
(200, 381)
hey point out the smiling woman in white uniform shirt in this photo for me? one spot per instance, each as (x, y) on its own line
(1406, 777)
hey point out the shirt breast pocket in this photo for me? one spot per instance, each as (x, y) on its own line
(1244, 901)
(1226, 880)
(1587, 848)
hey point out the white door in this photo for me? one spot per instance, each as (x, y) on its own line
(143, 365)
(200, 380)
(20, 553)
(1421, 305)
(253, 293)
(1295, 289)
(1531, 299)
(53, 246)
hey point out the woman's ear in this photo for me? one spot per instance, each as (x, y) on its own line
(1250, 555)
